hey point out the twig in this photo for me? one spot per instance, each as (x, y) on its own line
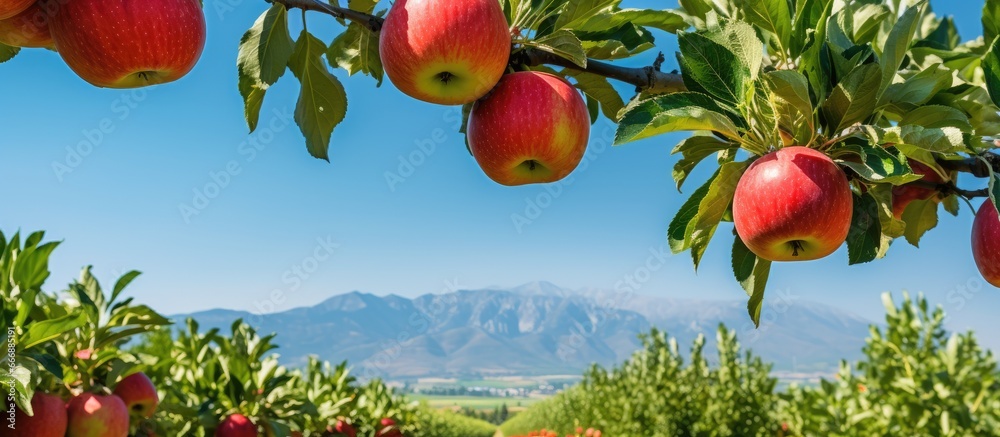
(372, 22)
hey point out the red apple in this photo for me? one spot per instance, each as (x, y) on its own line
(236, 425)
(793, 205)
(345, 429)
(986, 243)
(388, 428)
(532, 128)
(93, 415)
(139, 394)
(49, 419)
(450, 52)
(904, 194)
(10, 8)
(30, 28)
(128, 43)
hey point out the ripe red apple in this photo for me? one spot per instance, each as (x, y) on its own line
(449, 52)
(388, 428)
(345, 429)
(30, 28)
(10, 8)
(532, 128)
(236, 425)
(92, 415)
(904, 194)
(986, 243)
(128, 43)
(139, 394)
(49, 419)
(793, 205)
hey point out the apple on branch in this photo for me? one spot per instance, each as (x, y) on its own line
(139, 394)
(904, 194)
(449, 52)
(29, 29)
(49, 419)
(92, 415)
(532, 128)
(986, 243)
(236, 425)
(794, 204)
(128, 43)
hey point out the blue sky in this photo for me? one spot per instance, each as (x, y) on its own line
(277, 219)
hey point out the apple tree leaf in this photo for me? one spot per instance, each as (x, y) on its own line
(43, 331)
(8, 52)
(752, 273)
(991, 69)
(876, 164)
(576, 11)
(693, 150)
(920, 216)
(356, 50)
(665, 20)
(937, 116)
(263, 56)
(677, 230)
(686, 111)
(865, 237)
(772, 16)
(789, 94)
(898, 43)
(712, 208)
(564, 44)
(600, 90)
(616, 43)
(991, 20)
(322, 102)
(724, 69)
(919, 88)
(854, 98)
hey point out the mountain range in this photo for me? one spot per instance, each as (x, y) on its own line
(537, 329)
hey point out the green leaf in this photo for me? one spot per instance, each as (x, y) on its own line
(789, 92)
(712, 208)
(670, 113)
(865, 237)
(600, 90)
(41, 332)
(878, 165)
(991, 20)
(122, 283)
(366, 6)
(356, 50)
(919, 88)
(32, 266)
(808, 39)
(752, 273)
(991, 70)
(897, 44)
(622, 42)
(937, 116)
(7, 52)
(263, 56)
(322, 102)
(582, 10)
(564, 44)
(920, 216)
(994, 187)
(854, 98)
(694, 149)
(724, 70)
(770, 15)
(910, 139)
(677, 230)
(667, 21)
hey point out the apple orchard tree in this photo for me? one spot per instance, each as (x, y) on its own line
(829, 121)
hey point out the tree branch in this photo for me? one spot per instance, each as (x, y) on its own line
(648, 79)
(975, 166)
(950, 188)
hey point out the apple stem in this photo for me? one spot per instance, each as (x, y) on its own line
(796, 245)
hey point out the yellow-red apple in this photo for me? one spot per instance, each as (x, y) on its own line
(449, 52)
(139, 394)
(794, 204)
(10, 8)
(236, 425)
(986, 243)
(532, 128)
(92, 415)
(128, 43)
(30, 28)
(49, 419)
(902, 195)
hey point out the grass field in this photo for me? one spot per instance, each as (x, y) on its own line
(474, 402)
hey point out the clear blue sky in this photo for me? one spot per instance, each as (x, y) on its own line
(119, 207)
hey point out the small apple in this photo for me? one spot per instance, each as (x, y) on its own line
(794, 204)
(139, 394)
(30, 28)
(345, 429)
(986, 243)
(128, 43)
(532, 128)
(449, 52)
(902, 195)
(92, 415)
(236, 425)
(10, 8)
(388, 428)
(49, 419)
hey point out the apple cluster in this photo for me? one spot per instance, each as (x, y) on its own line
(524, 127)
(87, 414)
(111, 43)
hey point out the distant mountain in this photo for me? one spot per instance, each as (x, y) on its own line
(537, 329)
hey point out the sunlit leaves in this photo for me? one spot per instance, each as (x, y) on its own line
(789, 91)
(773, 16)
(671, 113)
(854, 99)
(752, 273)
(600, 91)
(693, 150)
(920, 216)
(564, 44)
(897, 43)
(322, 102)
(723, 62)
(991, 20)
(356, 50)
(991, 69)
(864, 240)
(7, 52)
(263, 56)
